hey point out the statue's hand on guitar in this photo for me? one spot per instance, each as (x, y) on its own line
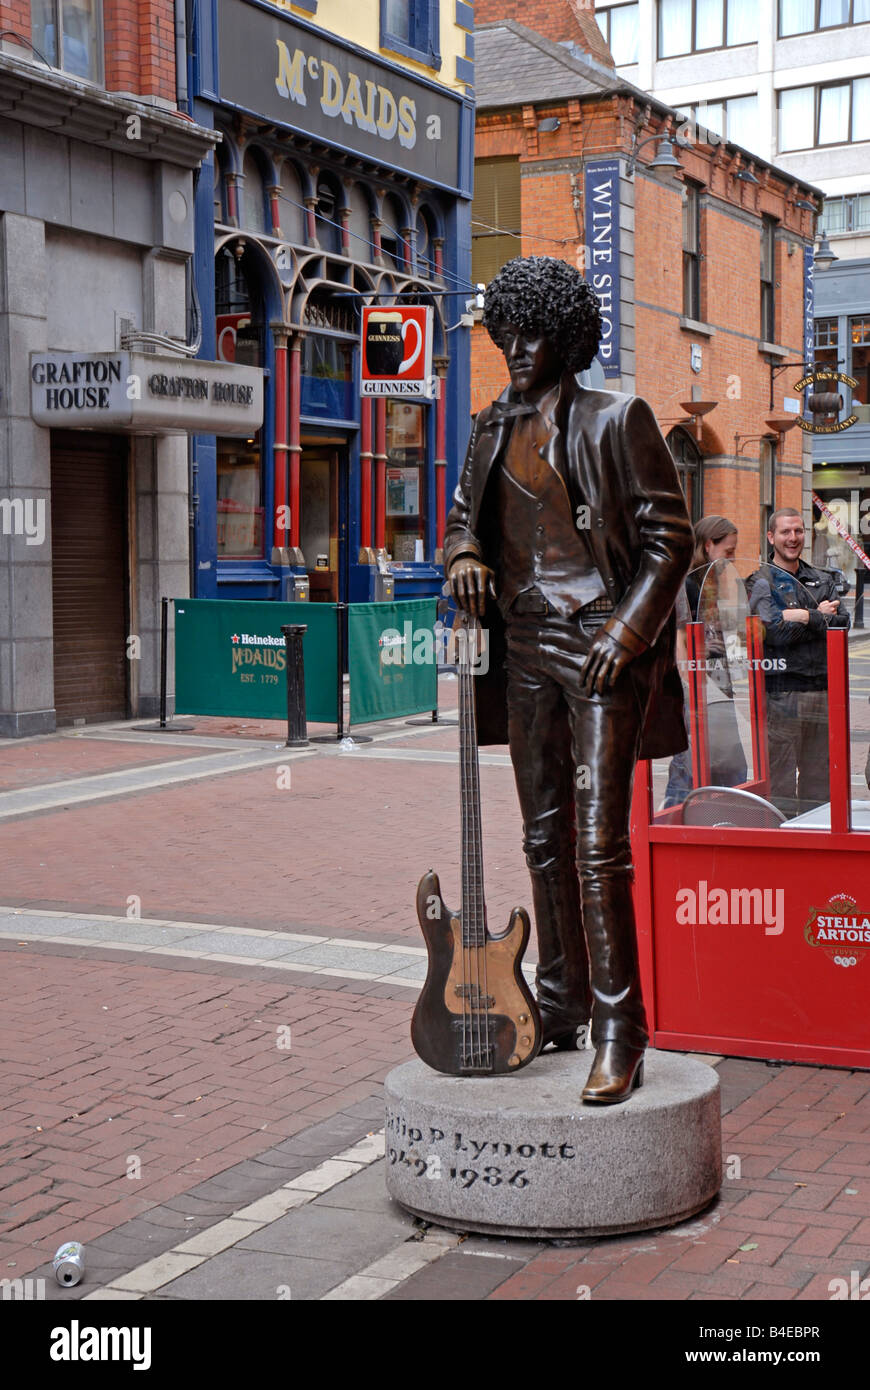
(470, 581)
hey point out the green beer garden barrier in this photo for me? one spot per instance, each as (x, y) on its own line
(392, 659)
(230, 658)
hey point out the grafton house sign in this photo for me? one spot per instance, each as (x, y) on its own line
(141, 393)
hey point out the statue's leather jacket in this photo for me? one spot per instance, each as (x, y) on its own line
(639, 534)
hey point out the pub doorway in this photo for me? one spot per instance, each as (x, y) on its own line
(323, 487)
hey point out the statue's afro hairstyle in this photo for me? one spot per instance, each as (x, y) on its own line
(545, 297)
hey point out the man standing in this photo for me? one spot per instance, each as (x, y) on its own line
(569, 512)
(797, 605)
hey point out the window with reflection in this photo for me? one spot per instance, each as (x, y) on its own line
(406, 480)
(253, 194)
(239, 324)
(859, 340)
(697, 26)
(69, 35)
(619, 25)
(327, 377)
(805, 16)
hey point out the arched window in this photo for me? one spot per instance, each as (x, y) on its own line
(394, 220)
(240, 330)
(327, 214)
(253, 195)
(687, 457)
(425, 249)
(291, 205)
(360, 224)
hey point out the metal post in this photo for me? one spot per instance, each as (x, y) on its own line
(164, 642)
(341, 644)
(297, 727)
(839, 742)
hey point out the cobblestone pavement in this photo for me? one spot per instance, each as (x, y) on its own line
(207, 975)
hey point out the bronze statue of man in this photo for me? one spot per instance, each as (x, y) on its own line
(569, 513)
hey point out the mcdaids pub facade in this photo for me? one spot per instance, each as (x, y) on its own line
(341, 183)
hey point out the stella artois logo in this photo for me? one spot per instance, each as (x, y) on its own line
(841, 928)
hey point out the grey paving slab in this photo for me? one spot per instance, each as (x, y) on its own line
(352, 1238)
(365, 1191)
(347, 958)
(233, 944)
(252, 1275)
(457, 1278)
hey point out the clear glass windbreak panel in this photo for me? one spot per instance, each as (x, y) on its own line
(859, 698)
(718, 669)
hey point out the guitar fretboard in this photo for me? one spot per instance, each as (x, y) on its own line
(473, 907)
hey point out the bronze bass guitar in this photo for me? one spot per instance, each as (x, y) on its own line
(476, 1015)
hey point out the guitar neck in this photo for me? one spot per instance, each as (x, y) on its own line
(473, 907)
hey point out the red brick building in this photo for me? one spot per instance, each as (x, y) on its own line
(709, 273)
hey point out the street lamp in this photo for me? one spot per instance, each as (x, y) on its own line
(665, 157)
(824, 257)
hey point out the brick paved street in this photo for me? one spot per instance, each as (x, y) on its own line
(206, 980)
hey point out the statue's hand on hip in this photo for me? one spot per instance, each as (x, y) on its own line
(470, 581)
(608, 657)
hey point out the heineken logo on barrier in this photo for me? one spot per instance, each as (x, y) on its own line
(841, 928)
(256, 657)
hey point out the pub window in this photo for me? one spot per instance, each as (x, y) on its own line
(696, 26)
(410, 27)
(859, 341)
(806, 16)
(826, 344)
(768, 299)
(326, 215)
(69, 35)
(619, 25)
(253, 195)
(291, 205)
(360, 224)
(495, 216)
(392, 241)
(691, 250)
(239, 328)
(406, 479)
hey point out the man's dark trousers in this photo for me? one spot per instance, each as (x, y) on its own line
(569, 752)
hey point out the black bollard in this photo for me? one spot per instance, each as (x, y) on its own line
(297, 728)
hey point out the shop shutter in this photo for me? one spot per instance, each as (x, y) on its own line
(495, 211)
(89, 576)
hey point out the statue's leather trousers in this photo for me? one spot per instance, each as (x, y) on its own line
(573, 758)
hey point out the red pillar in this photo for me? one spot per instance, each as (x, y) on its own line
(380, 473)
(274, 190)
(377, 253)
(345, 231)
(365, 470)
(310, 221)
(438, 253)
(232, 199)
(294, 447)
(280, 527)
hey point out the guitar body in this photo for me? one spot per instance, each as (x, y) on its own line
(476, 1014)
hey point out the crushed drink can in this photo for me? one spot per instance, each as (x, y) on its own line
(69, 1264)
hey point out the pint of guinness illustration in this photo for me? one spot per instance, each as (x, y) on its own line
(385, 346)
(386, 343)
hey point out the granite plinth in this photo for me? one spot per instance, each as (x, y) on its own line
(522, 1155)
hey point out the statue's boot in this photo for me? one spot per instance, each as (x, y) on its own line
(562, 977)
(619, 1028)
